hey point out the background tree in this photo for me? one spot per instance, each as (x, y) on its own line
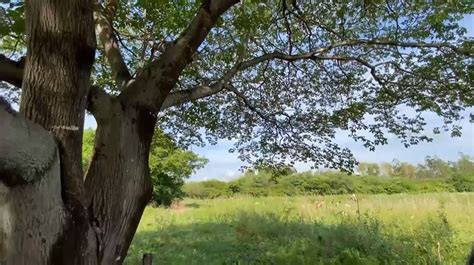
(386, 169)
(169, 167)
(434, 167)
(275, 171)
(463, 174)
(465, 164)
(403, 169)
(87, 147)
(279, 78)
(371, 169)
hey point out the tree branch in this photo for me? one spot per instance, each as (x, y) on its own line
(11, 71)
(105, 32)
(182, 96)
(266, 118)
(156, 80)
(201, 91)
(420, 45)
(312, 54)
(252, 107)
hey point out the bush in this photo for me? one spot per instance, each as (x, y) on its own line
(434, 176)
(434, 185)
(370, 185)
(299, 184)
(462, 183)
(166, 189)
(207, 189)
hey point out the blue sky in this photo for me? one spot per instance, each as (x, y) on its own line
(224, 165)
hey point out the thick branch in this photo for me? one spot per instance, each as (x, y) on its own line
(157, 79)
(98, 103)
(182, 96)
(202, 91)
(105, 32)
(11, 71)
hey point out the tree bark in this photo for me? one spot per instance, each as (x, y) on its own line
(61, 51)
(118, 181)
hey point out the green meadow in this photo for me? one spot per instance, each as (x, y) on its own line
(341, 229)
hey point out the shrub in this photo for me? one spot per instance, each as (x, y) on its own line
(263, 182)
(166, 189)
(462, 183)
(209, 189)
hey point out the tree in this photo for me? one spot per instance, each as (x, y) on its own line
(465, 165)
(371, 169)
(434, 167)
(276, 171)
(386, 169)
(87, 147)
(403, 169)
(169, 165)
(280, 77)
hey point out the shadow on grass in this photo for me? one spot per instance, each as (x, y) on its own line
(192, 205)
(270, 239)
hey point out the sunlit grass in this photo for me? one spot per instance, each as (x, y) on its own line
(366, 229)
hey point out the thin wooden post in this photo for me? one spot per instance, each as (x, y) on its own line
(147, 259)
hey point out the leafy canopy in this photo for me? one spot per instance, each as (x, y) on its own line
(298, 72)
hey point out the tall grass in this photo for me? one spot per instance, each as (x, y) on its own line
(367, 229)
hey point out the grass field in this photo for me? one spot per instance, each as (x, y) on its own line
(372, 229)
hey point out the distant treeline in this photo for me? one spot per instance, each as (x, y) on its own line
(434, 175)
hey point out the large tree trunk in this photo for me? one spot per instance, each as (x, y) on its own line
(50, 214)
(118, 178)
(61, 51)
(36, 227)
(62, 222)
